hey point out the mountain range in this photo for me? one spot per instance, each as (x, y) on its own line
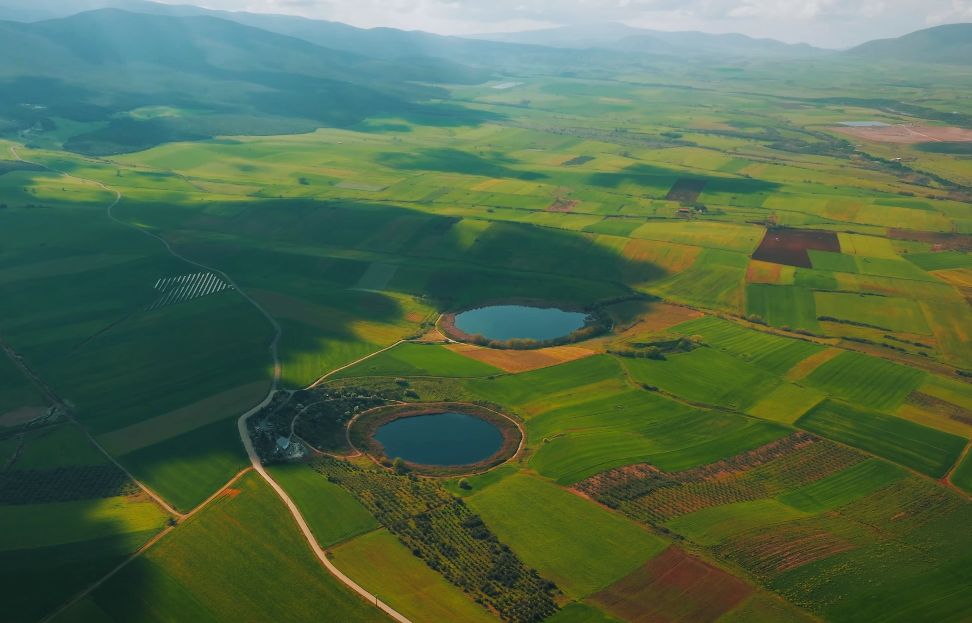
(123, 79)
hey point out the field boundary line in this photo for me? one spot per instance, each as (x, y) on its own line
(145, 546)
(87, 591)
(68, 412)
(241, 422)
(295, 511)
(352, 364)
(947, 478)
(221, 491)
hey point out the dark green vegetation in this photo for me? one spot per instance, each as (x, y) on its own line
(785, 421)
(246, 577)
(67, 516)
(258, 81)
(452, 540)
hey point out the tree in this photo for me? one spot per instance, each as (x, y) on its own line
(399, 466)
(464, 484)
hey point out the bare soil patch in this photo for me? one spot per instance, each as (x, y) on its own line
(21, 415)
(661, 317)
(563, 205)
(908, 134)
(789, 547)
(432, 336)
(790, 246)
(686, 190)
(521, 360)
(811, 363)
(763, 272)
(941, 407)
(961, 278)
(673, 587)
(938, 241)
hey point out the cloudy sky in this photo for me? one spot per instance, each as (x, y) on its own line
(828, 23)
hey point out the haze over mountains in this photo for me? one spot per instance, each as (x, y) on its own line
(621, 37)
(111, 80)
(951, 43)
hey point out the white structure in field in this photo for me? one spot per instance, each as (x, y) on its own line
(184, 288)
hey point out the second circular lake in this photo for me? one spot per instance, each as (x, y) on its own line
(443, 439)
(510, 322)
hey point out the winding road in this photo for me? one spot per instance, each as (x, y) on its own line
(255, 462)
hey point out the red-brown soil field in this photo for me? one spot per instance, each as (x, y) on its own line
(673, 587)
(790, 246)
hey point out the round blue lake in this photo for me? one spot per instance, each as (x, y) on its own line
(509, 322)
(440, 439)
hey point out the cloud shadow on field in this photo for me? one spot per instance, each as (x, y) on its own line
(59, 534)
(303, 259)
(651, 175)
(447, 160)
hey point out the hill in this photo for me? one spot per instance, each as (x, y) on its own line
(951, 43)
(442, 58)
(199, 75)
(615, 36)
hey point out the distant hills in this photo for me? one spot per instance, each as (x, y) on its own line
(208, 76)
(951, 43)
(943, 44)
(419, 48)
(112, 80)
(614, 36)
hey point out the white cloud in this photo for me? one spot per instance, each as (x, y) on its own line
(833, 23)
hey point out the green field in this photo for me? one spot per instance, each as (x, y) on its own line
(579, 546)
(923, 449)
(783, 306)
(333, 514)
(774, 353)
(595, 435)
(273, 201)
(419, 360)
(72, 519)
(869, 381)
(246, 576)
(413, 589)
(701, 376)
(187, 469)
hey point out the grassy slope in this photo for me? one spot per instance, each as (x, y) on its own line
(379, 561)
(924, 449)
(334, 515)
(420, 360)
(575, 543)
(240, 559)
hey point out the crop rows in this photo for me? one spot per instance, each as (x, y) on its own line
(452, 540)
(650, 494)
(184, 288)
(768, 553)
(63, 484)
(896, 525)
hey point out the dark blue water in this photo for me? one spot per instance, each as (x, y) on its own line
(508, 322)
(440, 439)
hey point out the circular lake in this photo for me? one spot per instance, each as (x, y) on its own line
(510, 322)
(443, 439)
